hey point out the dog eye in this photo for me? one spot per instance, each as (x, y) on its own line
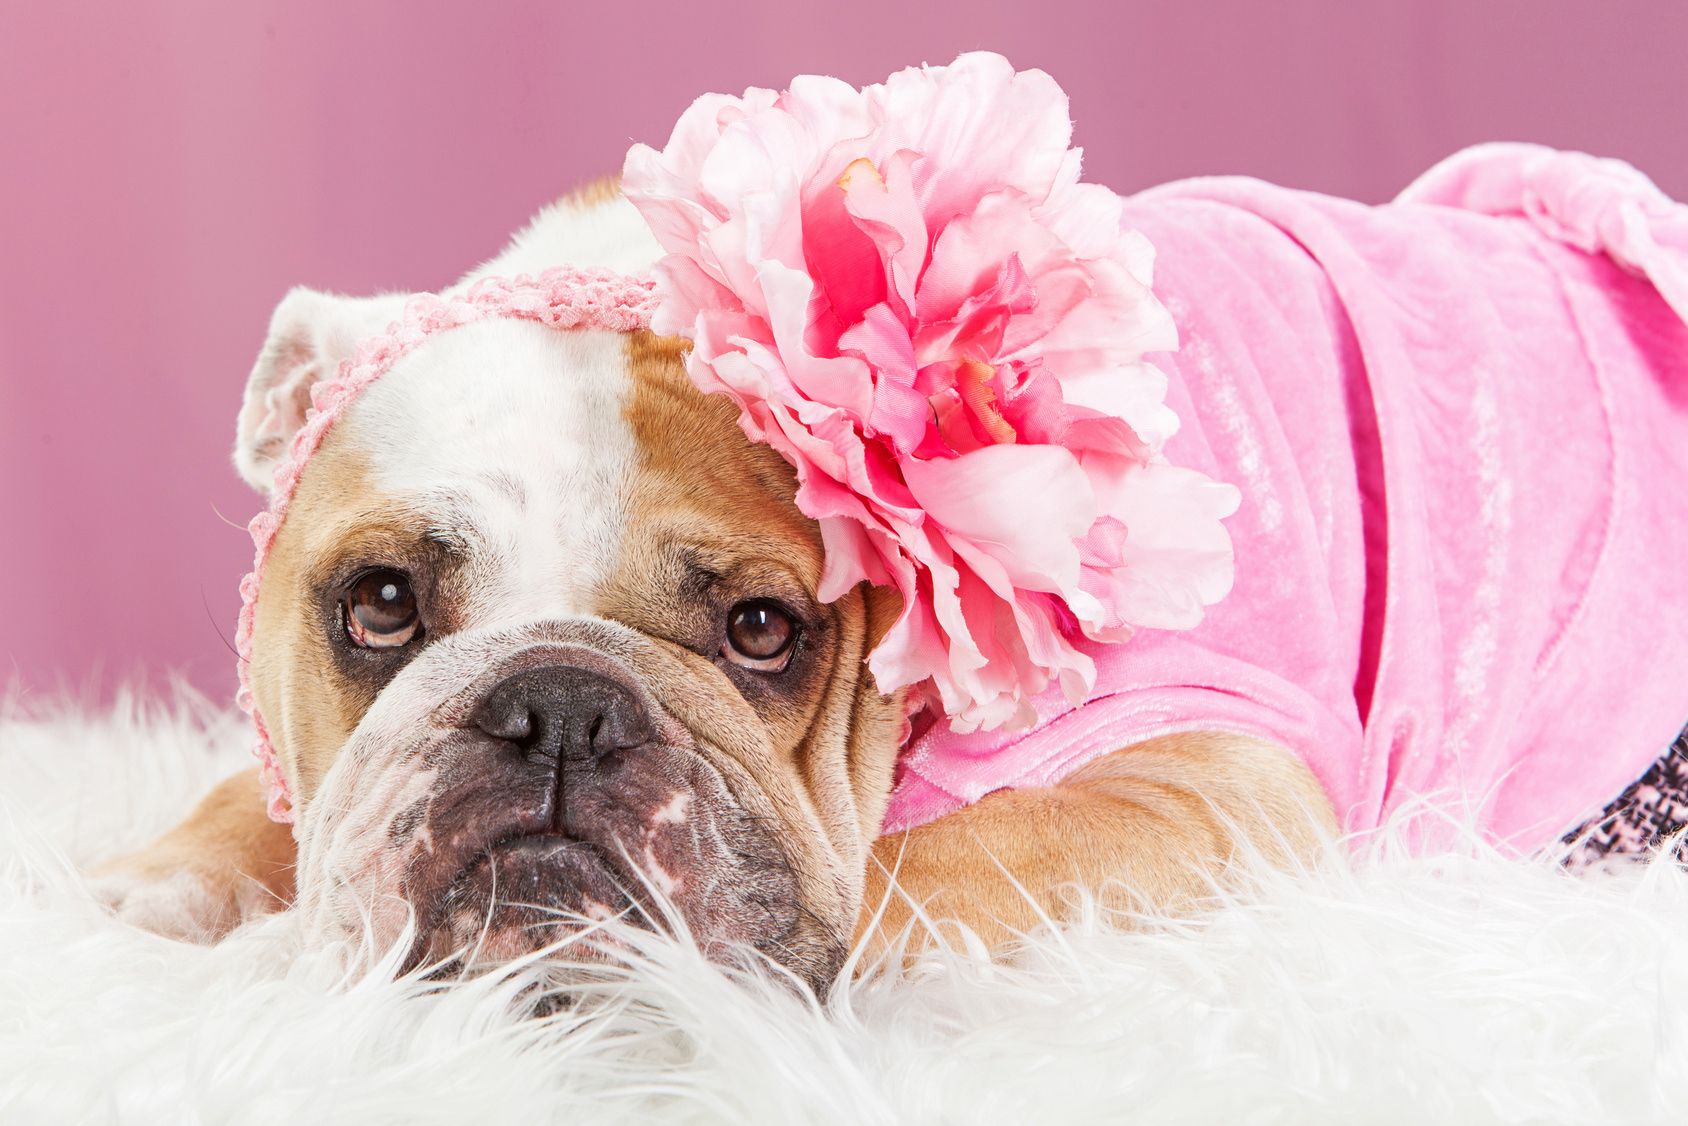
(380, 610)
(760, 635)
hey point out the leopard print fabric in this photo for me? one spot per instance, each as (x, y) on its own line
(1640, 818)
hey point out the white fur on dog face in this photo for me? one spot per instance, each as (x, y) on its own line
(512, 436)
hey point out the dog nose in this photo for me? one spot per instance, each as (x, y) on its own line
(563, 713)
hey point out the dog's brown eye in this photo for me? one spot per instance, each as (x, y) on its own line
(759, 636)
(381, 611)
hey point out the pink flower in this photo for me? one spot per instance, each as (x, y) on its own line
(911, 296)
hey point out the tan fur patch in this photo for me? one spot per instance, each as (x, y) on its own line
(1152, 827)
(309, 704)
(225, 862)
(701, 482)
(601, 190)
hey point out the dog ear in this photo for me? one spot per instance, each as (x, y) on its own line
(310, 333)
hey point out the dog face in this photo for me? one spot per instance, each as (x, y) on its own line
(539, 640)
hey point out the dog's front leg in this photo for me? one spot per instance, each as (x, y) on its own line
(1150, 828)
(226, 862)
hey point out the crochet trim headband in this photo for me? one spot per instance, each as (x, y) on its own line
(912, 297)
(562, 298)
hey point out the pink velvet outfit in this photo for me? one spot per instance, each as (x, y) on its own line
(1460, 426)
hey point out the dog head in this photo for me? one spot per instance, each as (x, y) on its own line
(539, 639)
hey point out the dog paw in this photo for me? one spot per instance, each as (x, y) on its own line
(182, 904)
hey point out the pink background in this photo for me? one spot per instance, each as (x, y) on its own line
(171, 168)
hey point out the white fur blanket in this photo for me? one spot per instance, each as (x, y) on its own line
(1461, 988)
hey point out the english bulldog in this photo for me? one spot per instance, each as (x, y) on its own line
(544, 639)
(540, 636)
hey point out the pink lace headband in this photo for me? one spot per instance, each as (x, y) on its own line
(562, 298)
(912, 297)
